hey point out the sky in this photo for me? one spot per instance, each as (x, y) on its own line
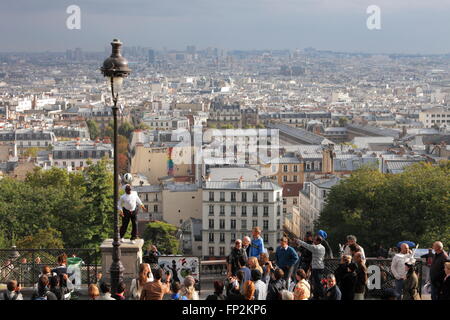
(407, 26)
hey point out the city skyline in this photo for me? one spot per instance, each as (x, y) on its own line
(407, 27)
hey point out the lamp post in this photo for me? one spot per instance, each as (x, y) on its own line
(115, 68)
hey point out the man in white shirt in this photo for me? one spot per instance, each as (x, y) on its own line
(346, 249)
(127, 206)
(398, 267)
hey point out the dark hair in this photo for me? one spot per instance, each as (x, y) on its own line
(42, 285)
(105, 287)
(218, 286)
(121, 287)
(318, 239)
(270, 249)
(175, 287)
(352, 266)
(62, 258)
(54, 281)
(279, 274)
(158, 274)
(256, 275)
(11, 285)
(301, 273)
(240, 275)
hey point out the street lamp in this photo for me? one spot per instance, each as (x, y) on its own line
(115, 68)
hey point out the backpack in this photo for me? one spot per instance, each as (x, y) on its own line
(6, 297)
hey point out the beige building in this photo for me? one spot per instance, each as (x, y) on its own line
(291, 213)
(438, 116)
(181, 202)
(152, 160)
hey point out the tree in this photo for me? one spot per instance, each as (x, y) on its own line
(31, 152)
(388, 208)
(122, 144)
(94, 130)
(44, 239)
(343, 121)
(126, 129)
(162, 235)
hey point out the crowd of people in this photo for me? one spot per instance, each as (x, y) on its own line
(294, 271)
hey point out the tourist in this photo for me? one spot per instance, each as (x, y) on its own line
(12, 291)
(236, 259)
(263, 260)
(351, 240)
(348, 279)
(253, 264)
(332, 291)
(175, 294)
(328, 250)
(105, 292)
(444, 293)
(247, 274)
(305, 254)
(276, 285)
(286, 259)
(156, 289)
(218, 291)
(271, 253)
(411, 283)
(398, 267)
(93, 292)
(151, 257)
(257, 243)
(361, 276)
(249, 290)
(145, 275)
(127, 209)
(188, 288)
(437, 269)
(302, 289)
(246, 244)
(55, 287)
(120, 294)
(317, 264)
(234, 292)
(286, 295)
(42, 292)
(260, 286)
(62, 265)
(342, 269)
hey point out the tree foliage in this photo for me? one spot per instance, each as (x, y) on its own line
(77, 205)
(388, 208)
(94, 130)
(163, 236)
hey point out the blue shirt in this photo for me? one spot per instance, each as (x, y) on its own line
(286, 257)
(247, 274)
(176, 296)
(256, 247)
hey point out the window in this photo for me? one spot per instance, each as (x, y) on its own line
(211, 237)
(222, 224)
(284, 210)
(295, 201)
(255, 211)
(211, 224)
(308, 165)
(155, 208)
(255, 197)
(295, 178)
(265, 224)
(284, 201)
(244, 224)
(254, 223)
(278, 224)
(285, 179)
(285, 168)
(233, 237)
(233, 210)
(222, 238)
(233, 196)
(266, 238)
(222, 210)
(278, 210)
(266, 197)
(211, 251)
(222, 196)
(222, 250)
(244, 196)
(233, 224)
(244, 211)
(265, 211)
(81, 163)
(211, 196)
(211, 210)
(295, 168)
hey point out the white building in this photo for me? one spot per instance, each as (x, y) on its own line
(232, 208)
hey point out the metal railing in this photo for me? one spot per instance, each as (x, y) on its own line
(25, 265)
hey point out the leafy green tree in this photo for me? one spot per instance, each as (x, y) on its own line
(125, 129)
(94, 130)
(387, 208)
(163, 236)
(44, 239)
(343, 121)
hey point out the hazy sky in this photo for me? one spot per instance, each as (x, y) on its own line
(407, 26)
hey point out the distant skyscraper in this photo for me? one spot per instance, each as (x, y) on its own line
(151, 56)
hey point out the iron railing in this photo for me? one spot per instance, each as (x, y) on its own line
(25, 265)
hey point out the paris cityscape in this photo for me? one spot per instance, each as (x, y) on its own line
(306, 173)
